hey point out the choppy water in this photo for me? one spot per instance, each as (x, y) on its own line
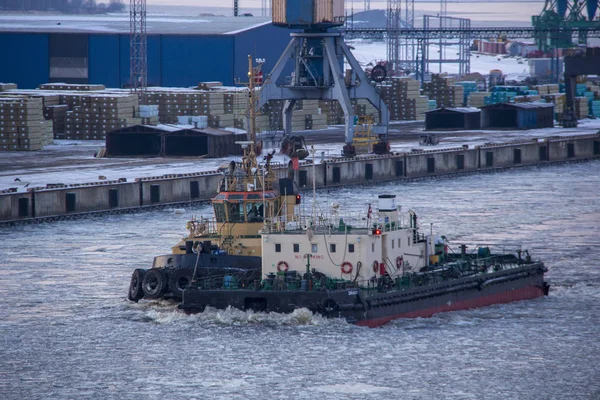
(67, 330)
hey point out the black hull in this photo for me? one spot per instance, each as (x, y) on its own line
(356, 306)
(171, 274)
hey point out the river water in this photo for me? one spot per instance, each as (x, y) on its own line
(67, 330)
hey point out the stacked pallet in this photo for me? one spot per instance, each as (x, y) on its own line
(47, 132)
(547, 89)
(581, 107)
(478, 99)
(595, 108)
(7, 86)
(333, 111)
(71, 87)
(403, 98)
(307, 116)
(21, 124)
(92, 115)
(469, 87)
(444, 90)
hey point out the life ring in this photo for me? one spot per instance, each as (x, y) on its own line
(399, 262)
(346, 267)
(375, 266)
(282, 266)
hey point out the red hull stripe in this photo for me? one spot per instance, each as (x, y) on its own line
(529, 292)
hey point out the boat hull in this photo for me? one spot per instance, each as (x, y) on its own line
(363, 308)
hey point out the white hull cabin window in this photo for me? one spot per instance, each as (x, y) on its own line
(277, 247)
(296, 248)
(399, 243)
(351, 248)
(314, 247)
(372, 247)
(392, 243)
(332, 248)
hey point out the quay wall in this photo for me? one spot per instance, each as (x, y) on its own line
(60, 201)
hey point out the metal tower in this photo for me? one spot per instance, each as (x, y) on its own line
(408, 45)
(138, 50)
(393, 37)
(400, 50)
(318, 57)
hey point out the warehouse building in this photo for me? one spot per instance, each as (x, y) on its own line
(172, 141)
(459, 118)
(517, 116)
(182, 51)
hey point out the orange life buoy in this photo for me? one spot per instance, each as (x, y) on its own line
(282, 266)
(375, 266)
(399, 262)
(346, 267)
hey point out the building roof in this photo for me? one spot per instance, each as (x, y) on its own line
(119, 23)
(532, 105)
(462, 110)
(187, 129)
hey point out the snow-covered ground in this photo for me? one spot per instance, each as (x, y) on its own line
(73, 162)
(369, 52)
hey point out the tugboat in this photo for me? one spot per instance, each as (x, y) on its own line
(370, 269)
(249, 193)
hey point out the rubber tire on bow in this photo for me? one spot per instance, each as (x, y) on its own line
(155, 283)
(135, 292)
(179, 279)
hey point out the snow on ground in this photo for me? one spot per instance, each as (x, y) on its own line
(369, 52)
(73, 162)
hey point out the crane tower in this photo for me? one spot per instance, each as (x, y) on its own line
(318, 57)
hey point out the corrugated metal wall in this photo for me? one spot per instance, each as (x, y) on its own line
(104, 60)
(25, 59)
(173, 60)
(188, 60)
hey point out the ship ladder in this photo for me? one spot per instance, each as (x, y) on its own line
(390, 266)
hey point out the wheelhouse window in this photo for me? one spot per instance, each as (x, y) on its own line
(296, 248)
(277, 247)
(219, 212)
(235, 212)
(254, 211)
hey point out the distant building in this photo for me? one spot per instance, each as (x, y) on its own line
(182, 51)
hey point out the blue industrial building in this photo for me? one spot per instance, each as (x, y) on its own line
(181, 52)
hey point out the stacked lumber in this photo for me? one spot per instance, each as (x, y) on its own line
(92, 115)
(402, 95)
(21, 126)
(444, 90)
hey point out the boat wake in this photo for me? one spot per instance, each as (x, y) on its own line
(166, 312)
